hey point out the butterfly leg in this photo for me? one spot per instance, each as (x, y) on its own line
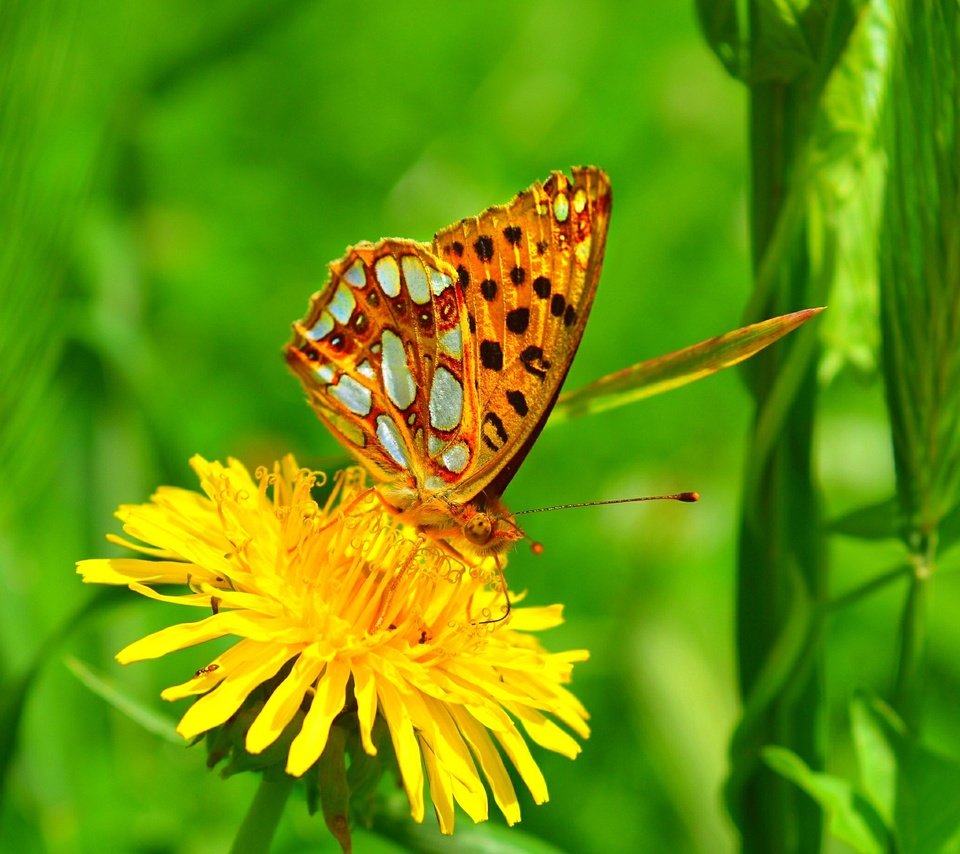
(390, 508)
(504, 590)
(439, 537)
(391, 592)
(347, 508)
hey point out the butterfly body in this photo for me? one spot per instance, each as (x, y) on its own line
(436, 365)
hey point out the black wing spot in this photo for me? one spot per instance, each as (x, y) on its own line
(534, 363)
(542, 246)
(463, 277)
(517, 275)
(513, 234)
(518, 320)
(557, 305)
(484, 247)
(493, 432)
(488, 287)
(457, 247)
(569, 316)
(491, 355)
(518, 402)
(541, 287)
(472, 323)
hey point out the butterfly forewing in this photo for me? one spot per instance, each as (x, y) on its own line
(381, 354)
(436, 366)
(529, 272)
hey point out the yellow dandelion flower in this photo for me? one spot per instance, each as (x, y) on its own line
(339, 610)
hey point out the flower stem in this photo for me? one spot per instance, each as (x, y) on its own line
(264, 814)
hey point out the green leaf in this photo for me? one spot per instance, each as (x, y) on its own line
(852, 818)
(135, 710)
(52, 138)
(919, 787)
(781, 51)
(876, 758)
(678, 368)
(950, 529)
(13, 699)
(393, 822)
(366, 771)
(847, 168)
(910, 794)
(15, 692)
(846, 126)
(880, 521)
(724, 32)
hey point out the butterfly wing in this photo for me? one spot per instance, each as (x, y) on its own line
(437, 366)
(381, 355)
(528, 271)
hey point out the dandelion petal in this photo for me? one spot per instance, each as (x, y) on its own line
(430, 718)
(490, 763)
(473, 801)
(405, 746)
(327, 704)
(285, 701)
(365, 692)
(516, 748)
(214, 708)
(536, 619)
(545, 732)
(441, 789)
(183, 635)
(125, 570)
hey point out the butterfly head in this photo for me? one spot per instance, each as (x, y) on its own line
(489, 530)
(480, 527)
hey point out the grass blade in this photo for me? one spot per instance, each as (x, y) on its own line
(678, 368)
(152, 722)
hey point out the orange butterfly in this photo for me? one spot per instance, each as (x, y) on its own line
(437, 365)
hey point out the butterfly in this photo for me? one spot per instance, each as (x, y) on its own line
(437, 364)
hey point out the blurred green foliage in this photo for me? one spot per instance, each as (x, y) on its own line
(173, 181)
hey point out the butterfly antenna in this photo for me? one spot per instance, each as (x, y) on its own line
(537, 548)
(688, 497)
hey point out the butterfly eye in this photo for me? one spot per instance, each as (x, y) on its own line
(479, 529)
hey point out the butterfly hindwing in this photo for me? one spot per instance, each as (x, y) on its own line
(381, 354)
(529, 271)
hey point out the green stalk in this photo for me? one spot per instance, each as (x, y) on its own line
(906, 691)
(780, 539)
(920, 305)
(261, 820)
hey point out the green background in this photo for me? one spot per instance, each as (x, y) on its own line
(175, 180)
